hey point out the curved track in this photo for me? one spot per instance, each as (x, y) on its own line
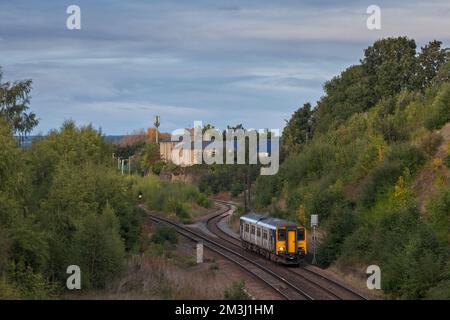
(319, 286)
(283, 287)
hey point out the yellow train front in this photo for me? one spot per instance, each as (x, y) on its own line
(277, 239)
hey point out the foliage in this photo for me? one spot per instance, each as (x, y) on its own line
(168, 197)
(62, 203)
(298, 130)
(430, 143)
(373, 135)
(346, 94)
(438, 213)
(14, 105)
(341, 223)
(164, 233)
(99, 248)
(439, 114)
(447, 161)
(236, 291)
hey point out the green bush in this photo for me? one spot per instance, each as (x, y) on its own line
(447, 161)
(439, 114)
(203, 201)
(98, 249)
(440, 292)
(325, 203)
(438, 213)
(409, 156)
(163, 233)
(236, 291)
(431, 142)
(158, 166)
(237, 189)
(382, 177)
(339, 226)
(415, 267)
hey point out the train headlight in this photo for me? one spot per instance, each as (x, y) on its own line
(281, 249)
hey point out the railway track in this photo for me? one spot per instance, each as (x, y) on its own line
(324, 287)
(283, 287)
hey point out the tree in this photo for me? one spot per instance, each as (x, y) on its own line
(346, 94)
(149, 156)
(431, 59)
(391, 66)
(14, 105)
(299, 130)
(99, 248)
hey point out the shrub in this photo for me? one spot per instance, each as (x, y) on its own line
(440, 292)
(99, 249)
(339, 226)
(407, 155)
(164, 233)
(447, 161)
(203, 201)
(430, 143)
(415, 267)
(237, 189)
(439, 114)
(383, 176)
(438, 213)
(237, 291)
(158, 166)
(325, 202)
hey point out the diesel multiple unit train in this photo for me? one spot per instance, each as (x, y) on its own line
(278, 240)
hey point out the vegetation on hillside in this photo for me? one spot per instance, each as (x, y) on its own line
(355, 160)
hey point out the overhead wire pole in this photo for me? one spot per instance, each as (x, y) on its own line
(157, 122)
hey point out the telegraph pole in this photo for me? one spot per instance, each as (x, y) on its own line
(157, 122)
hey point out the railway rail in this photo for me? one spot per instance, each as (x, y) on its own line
(283, 287)
(323, 286)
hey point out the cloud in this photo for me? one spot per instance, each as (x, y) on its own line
(224, 62)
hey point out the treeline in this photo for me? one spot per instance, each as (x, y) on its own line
(370, 160)
(63, 202)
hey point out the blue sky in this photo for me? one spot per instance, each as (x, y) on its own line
(221, 62)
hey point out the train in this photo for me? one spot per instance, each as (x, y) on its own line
(276, 239)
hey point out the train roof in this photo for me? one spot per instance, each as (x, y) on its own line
(268, 221)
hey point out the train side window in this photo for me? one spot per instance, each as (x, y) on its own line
(253, 230)
(265, 235)
(281, 235)
(300, 234)
(258, 232)
(247, 228)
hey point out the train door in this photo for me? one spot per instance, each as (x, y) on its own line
(291, 239)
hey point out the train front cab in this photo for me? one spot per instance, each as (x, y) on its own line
(291, 244)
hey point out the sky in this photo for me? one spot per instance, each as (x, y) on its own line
(222, 62)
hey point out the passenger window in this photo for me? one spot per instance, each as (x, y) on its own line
(247, 227)
(300, 234)
(265, 235)
(253, 230)
(258, 232)
(281, 235)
